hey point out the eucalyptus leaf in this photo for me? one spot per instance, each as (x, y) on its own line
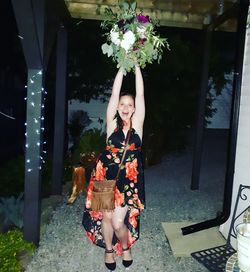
(110, 51)
(125, 5)
(105, 48)
(133, 6)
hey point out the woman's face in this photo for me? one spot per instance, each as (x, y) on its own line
(126, 107)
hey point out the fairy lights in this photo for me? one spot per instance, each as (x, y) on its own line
(33, 139)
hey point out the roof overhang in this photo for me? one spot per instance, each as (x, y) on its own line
(194, 14)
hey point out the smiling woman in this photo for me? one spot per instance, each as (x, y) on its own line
(118, 229)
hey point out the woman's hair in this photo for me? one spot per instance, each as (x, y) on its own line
(119, 122)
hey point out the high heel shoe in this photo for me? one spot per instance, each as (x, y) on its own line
(110, 266)
(126, 263)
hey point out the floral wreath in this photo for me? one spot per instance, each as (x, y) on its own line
(131, 37)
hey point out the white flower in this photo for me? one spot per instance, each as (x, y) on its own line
(115, 37)
(141, 30)
(128, 40)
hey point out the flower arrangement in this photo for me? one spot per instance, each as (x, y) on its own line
(131, 37)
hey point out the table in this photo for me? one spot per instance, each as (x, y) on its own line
(232, 264)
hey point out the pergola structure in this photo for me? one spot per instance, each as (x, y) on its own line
(40, 22)
(194, 14)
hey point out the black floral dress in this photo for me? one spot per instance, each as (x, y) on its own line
(129, 187)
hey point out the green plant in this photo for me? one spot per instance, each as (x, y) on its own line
(92, 140)
(12, 208)
(12, 244)
(78, 121)
(12, 177)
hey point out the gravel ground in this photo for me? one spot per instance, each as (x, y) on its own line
(65, 247)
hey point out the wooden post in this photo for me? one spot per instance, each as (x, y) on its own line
(59, 128)
(197, 157)
(30, 22)
(34, 129)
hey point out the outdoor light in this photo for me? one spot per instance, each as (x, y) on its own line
(37, 130)
(243, 245)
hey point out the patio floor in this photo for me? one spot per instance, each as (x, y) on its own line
(65, 247)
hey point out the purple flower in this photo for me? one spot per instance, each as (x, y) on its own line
(142, 19)
(141, 41)
(121, 23)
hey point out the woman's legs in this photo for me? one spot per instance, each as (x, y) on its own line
(114, 222)
(107, 233)
(121, 229)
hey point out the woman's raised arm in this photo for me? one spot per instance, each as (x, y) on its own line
(139, 115)
(114, 99)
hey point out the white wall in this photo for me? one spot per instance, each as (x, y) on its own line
(242, 163)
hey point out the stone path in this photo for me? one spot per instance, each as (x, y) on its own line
(65, 247)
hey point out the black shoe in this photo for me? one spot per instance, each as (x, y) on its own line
(126, 263)
(110, 266)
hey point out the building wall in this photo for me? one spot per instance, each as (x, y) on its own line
(242, 163)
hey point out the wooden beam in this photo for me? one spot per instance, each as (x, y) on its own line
(198, 146)
(60, 113)
(228, 14)
(29, 34)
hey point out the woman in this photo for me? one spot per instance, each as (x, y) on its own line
(118, 230)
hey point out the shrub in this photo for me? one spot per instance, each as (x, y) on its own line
(92, 140)
(12, 177)
(12, 208)
(11, 245)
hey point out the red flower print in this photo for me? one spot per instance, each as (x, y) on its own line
(117, 160)
(118, 248)
(96, 215)
(140, 205)
(131, 172)
(114, 149)
(130, 201)
(131, 239)
(91, 236)
(132, 217)
(129, 193)
(135, 196)
(119, 198)
(132, 147)
(108, 156)
(100, 171)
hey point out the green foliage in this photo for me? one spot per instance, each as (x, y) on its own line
(12, 177)
(78, 121)
(12, 208)
(12, 244)
(92, 141)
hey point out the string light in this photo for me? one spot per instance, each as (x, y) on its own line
(38, 126)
